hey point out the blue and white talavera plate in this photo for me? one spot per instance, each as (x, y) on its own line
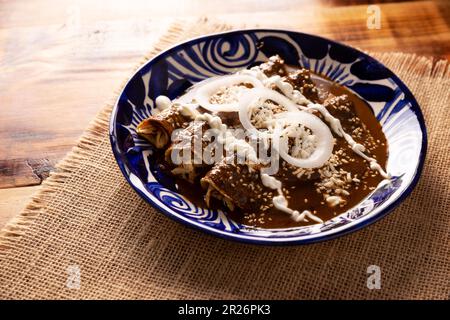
(176, 69)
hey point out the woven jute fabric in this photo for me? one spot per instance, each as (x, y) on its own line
(87, 221)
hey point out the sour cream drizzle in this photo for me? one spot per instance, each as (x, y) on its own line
(335, 124)
(280, 202)
(232, 143)
(357, 148)
(225, 137)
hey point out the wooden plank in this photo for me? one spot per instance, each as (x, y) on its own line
(12, 201)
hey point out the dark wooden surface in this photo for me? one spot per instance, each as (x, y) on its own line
(62, 60)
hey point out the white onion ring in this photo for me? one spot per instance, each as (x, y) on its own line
(325, 144)
(204, 93)
(190, 93)
(261, 94)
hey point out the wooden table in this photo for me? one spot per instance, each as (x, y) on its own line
(61, 61)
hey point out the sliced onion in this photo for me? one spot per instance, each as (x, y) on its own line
(262, 95)
(190, 93)
(203, 94)
(325, 142)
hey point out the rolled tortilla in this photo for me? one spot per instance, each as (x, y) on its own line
(236, 186)
(274, 66)
(194, 166)
(158, 128)
(300, 78)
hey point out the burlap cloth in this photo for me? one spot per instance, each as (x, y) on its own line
(87, 216)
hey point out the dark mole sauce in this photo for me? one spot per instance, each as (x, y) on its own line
(302, 189)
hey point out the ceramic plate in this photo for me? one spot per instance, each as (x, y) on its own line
(176, 69)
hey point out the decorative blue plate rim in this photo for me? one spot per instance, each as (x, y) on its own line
(349, 228)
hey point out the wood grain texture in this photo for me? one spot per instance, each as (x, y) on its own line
(61, 61)
(13, 200)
